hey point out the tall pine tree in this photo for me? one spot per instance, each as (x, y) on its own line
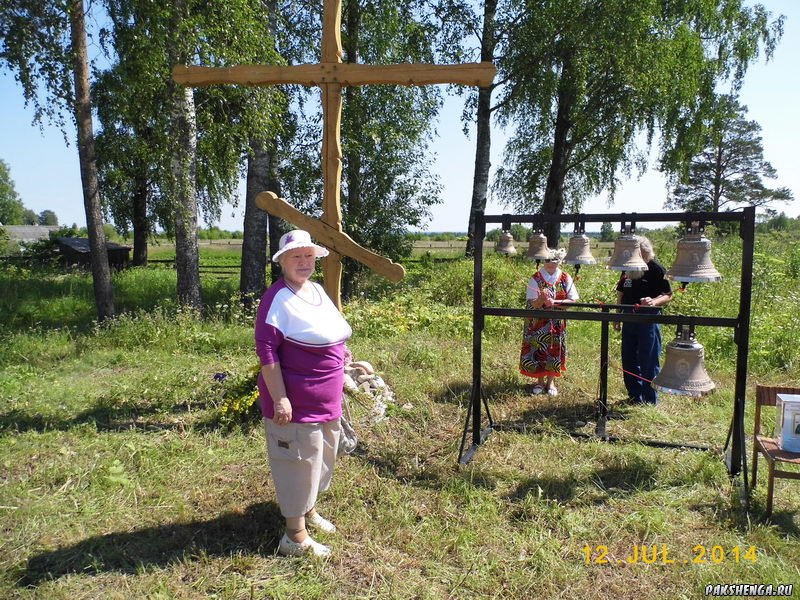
(730, 170)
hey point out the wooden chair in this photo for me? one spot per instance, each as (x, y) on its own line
(768, 446)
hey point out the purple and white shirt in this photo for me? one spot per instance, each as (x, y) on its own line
(307, 339)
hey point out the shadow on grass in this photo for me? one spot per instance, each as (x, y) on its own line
(735, 516)
(544, 408)
(256, 530)
(635, 476)
(104, 418)
(561, 414)
(782, 519)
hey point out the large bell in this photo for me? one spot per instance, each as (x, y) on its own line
(537, 247)
(684, 371)
(627, 255)
(579, 251)
(693, 260)
(506, 244)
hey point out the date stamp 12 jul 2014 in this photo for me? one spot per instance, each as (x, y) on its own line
(664, 554)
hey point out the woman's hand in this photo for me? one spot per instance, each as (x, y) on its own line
(283, 411)
(277, 390)
(647, 301)
(562, 304)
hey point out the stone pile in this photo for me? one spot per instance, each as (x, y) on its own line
(360, 376)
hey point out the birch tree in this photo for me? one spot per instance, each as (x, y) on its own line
(585, 79)
(44, 44)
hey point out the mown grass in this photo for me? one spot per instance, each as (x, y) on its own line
(119, 480)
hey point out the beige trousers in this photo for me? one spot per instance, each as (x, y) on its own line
(301, 458)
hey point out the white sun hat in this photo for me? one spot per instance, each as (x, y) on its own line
(298, 239)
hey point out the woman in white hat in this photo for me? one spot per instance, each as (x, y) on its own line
(300, 337)
(544, 341)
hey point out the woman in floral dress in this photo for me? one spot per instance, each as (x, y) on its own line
(544, 341)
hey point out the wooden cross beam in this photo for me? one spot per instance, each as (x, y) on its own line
(331, 75)
(336, 240)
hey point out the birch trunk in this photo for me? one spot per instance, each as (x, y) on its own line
(254, 243)
(141, 225)
(275, 225)
(183, 165)
(553, 202)
(480, 180)
(353, 159)
(184, 161)
(101, 272)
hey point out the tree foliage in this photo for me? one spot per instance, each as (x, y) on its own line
(467, 35)
(607, 233)
(34, 44)
(133, 101)
(730, 170)
(11, 207)
(47, 217)
(387, 182)
(44, 44)
(29, 217)
(585, 78)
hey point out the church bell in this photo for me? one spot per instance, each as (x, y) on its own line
(693, 259)
(684, 371)
(506, 244)
(627, 256)
(537, 247)
(579, 251)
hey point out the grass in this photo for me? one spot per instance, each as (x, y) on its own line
(119, 480)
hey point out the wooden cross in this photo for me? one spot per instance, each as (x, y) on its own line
(331, 75)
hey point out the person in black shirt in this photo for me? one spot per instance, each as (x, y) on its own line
(641, 342)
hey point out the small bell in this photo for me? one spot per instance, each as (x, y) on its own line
(627, 255)
(684, 371)
(693, 260)
(579, 251)
(506, 244)
(537, 247)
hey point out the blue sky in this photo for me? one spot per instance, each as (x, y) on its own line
(46, 174)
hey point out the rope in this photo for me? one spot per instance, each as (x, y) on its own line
(631, 374)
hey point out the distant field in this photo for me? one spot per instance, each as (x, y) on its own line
(448, 248)
(599, 249)
(221, 258)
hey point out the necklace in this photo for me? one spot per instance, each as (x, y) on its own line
(315, 299)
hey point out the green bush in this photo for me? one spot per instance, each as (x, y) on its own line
(5, 244)
(238, 397)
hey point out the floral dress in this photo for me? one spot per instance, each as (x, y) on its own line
(544, 341)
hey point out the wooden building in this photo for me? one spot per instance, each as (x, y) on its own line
(76, 251)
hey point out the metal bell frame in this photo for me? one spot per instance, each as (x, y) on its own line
(735, 446)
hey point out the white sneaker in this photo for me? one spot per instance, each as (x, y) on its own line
(288, 547)
(321, 523)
